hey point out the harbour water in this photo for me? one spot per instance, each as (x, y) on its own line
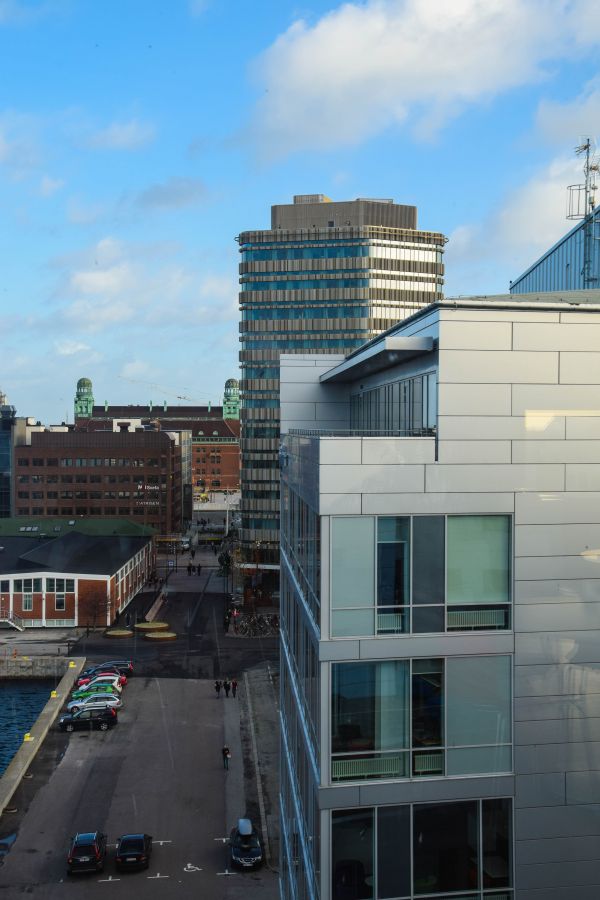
(21, 702)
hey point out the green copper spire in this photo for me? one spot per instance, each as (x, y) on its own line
(231, 399)
(84, 399)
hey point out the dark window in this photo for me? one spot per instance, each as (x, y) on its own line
(445, 847)
(393, 851)
(36, 461)
(352, 854)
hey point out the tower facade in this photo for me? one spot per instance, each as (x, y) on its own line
(7, 422)
(84, 399)
(231, 399)
(326, 277)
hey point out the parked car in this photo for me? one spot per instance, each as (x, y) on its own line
(87, 852)
(88, 689)
(124, 666)
(114, 680)
(103, 718)
(245, 848)
(96, 700)
(87, 679)
(133, 851)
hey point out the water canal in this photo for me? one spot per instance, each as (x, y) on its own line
(21, 702)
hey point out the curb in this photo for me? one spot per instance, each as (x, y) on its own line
(11, 779)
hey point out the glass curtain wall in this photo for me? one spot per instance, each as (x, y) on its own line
(420, 574)
(408, 406)
(446, 851)
(421, 718)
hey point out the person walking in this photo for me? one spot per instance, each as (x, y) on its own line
(189, 568)
(218, 687)
(227, 687)
(226, 621)
(234, 688)
(226, 754)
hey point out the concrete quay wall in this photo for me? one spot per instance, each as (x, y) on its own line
(36, 667)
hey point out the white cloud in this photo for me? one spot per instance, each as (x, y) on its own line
(526, 223)
(576, 117)
(123, 136)
(49, 186)
(135, 369)
(70, 348)
(198, 7)
(363, 68)
(174, 193)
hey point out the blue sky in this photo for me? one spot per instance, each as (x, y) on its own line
(137, 139)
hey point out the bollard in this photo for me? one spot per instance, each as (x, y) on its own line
(53, 695)
(71, 664)
(27, 737)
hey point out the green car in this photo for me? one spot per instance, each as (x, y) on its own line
(89, 691)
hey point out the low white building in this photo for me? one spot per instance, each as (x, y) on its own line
(440, 589)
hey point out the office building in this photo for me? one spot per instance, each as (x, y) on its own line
(78, 573)
(326, 277)
(572, 264)
(7, 422)
(440, 608)
(144, 475)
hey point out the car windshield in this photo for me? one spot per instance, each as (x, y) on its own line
(131, 845)
(247, 841)
(84, 850)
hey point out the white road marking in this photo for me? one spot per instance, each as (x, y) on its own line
(191, 868)
(135, 812)
(106, 880)
(261, 801)
(161, 842)
(226, 872)
(224, 840)
(158, 875)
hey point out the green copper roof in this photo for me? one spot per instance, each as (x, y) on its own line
(25, 525)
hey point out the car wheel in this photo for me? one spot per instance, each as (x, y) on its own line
(103, 726)
(75, 709)
(69, 727)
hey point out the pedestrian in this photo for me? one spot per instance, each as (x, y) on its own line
(226, 754)
(226, 621)
(189, 568)
(193, 569)
(127, 620)
(193, 553)
(218, 687)
(234, 688)
(199, 569)
(227, 687)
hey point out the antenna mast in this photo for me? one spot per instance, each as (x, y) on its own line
(582, 205)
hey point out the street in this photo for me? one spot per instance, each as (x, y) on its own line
(160, 769)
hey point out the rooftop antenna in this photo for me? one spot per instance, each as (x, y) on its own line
(582, 205)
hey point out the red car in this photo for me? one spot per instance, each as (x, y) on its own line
(85, 679)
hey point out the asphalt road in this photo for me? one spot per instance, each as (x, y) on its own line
(159, 770)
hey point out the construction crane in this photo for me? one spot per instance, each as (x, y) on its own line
(162, 389)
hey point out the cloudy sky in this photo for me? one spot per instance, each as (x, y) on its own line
(138, 138)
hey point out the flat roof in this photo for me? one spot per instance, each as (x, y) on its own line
(73, 553)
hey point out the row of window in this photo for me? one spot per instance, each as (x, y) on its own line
(344, 251)
(91, 462)
(305, 312)
(89, 479)
(425, 574)
(419, 718)
(35, 585)
(322, 283)
(85, 511)
(27, 603)
(430, 849)
(403, 406)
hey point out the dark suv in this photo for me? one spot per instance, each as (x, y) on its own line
(87, 852)
(245, 849)
(103, 719)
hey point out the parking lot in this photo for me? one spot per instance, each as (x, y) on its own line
(158, 771)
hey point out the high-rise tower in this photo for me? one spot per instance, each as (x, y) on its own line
(326, 277)
(231, 399)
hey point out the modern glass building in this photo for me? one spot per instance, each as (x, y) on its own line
(439, 603)
(572, 264)
(326, 277)
(7, 422)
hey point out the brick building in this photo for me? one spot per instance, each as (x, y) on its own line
(142, 475)
(215, 430)
(56, 575)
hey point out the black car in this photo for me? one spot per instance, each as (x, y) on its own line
(133, 851)
(245, 849)
(122, 666)
(87, 852)
(102, 718)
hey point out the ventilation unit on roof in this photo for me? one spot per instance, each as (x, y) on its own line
(71, 522)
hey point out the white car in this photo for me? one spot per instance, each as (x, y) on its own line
(95, 701)
(113, 680)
